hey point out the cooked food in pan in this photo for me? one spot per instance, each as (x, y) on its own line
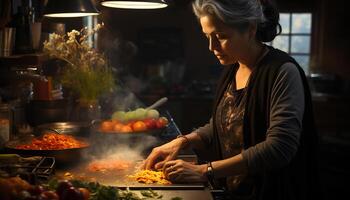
(52, 141)
(108, 165)
(149, 177)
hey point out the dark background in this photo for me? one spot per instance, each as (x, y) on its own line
(163, 53)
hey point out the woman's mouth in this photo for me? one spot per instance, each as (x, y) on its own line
(220, 56)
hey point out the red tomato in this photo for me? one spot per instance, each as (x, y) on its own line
(139, 126)
(85, 192)
(150, 123)
(162, 122)
(107, 126)
(130, 123)
(118, 127)
(126, 129)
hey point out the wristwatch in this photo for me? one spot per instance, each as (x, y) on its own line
(210, 173)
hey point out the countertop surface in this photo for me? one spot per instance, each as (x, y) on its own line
(183, 191)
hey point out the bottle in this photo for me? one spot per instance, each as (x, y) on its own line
(5, 123)
(22, 22)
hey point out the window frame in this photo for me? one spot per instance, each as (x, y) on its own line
(290, 35)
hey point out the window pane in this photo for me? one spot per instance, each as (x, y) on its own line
(284, 21)
(300, 44)
(281, 42)
(301, 23)
(303, 62)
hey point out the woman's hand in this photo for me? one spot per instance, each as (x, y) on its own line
(164, 153)
(179, 171)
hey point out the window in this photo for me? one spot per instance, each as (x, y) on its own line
(295, 38)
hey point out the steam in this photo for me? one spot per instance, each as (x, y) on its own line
(133, 146)
(126, 147)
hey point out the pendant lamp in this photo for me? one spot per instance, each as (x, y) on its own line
(135, 4)
(69, 8)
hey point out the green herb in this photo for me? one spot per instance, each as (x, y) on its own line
(151, 194)
(128, 195)
(52, 184)
(102, 192)
(97, 191)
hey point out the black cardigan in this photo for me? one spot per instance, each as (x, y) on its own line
(297, 180)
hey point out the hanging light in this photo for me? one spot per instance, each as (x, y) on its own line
(70, 8)
(135, 4)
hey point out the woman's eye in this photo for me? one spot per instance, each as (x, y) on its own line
(221, 37)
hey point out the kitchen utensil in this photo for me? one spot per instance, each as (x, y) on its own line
(7, 40)
(157, 103)
(62, 156)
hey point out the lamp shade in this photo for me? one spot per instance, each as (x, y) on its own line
(135, 4)
(69, 8)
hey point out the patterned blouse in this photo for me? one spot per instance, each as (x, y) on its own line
(229, 119)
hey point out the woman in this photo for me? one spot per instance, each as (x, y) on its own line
(260, 142)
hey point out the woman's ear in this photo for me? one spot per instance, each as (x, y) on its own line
(252, 30)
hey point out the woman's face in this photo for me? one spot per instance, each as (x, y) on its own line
(228, 44)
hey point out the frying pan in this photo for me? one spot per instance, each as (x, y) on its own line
(119, 178)
(62, 156)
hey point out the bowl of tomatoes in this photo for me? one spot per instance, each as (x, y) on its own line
(144, 126)
(139, 121)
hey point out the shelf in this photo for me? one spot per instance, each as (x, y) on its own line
(23, 60)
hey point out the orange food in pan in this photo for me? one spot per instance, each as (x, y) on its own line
(108, 165)
(52, 141)
(149, 177)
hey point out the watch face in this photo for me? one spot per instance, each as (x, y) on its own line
(209, 171)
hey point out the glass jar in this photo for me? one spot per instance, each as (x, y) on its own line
(89, 111)
(5, 123)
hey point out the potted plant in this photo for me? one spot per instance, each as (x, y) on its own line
(85, 71)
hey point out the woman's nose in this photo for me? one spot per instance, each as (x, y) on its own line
(213, 44)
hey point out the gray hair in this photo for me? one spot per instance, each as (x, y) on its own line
(240, 13)
(230, 12)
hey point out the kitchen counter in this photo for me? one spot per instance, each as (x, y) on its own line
(184, 191)
(186, 194)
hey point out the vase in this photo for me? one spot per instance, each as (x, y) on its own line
(88, 111)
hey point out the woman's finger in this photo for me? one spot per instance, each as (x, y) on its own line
(151, 159)
(169, 164)
(169, 169)
(173, 166)
(172, 176)
(159, 165)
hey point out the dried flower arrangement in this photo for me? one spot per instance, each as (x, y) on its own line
(86, 71)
